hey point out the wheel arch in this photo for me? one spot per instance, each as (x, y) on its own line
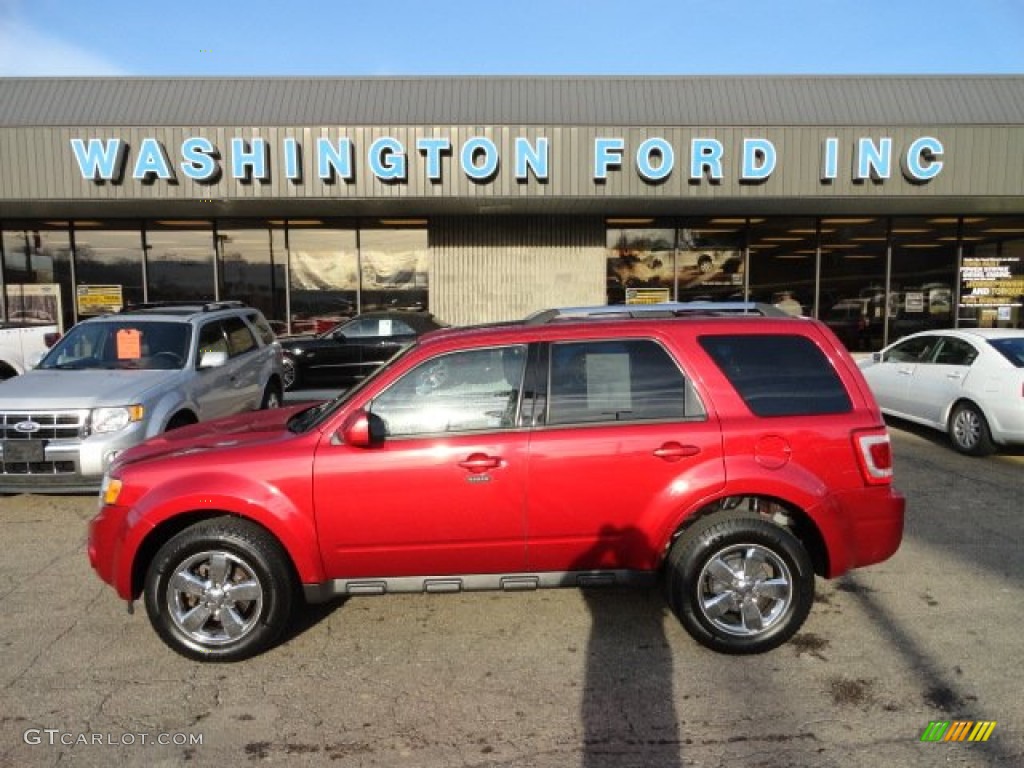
(8, 370)
(777, 510)
(164, 512)
(965, 400)
(172, 526)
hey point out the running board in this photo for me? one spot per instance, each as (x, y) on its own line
(476, 582)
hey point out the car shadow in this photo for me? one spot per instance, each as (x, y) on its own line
(627, 708)
(941, 697)
(308, 615)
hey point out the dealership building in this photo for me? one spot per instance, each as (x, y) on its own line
(882, 205)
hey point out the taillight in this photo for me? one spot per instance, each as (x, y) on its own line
(874, 451)
(50, 339)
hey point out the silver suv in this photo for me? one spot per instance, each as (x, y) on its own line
(116, 380)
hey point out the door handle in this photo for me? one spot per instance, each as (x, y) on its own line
(675, 451)
(480, 462)
(954, 375)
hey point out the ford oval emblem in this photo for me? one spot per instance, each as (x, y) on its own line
(27, 427)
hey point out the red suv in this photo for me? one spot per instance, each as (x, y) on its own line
(732, 458)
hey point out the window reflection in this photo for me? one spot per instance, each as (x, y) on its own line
(252, 266)
(180, 262)
(783, 262)
(395, 264)
(324, 277)
(923, 266)
(852, 292)
(108, 257)
(37, 273)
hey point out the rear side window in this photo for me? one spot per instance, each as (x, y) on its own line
(1011, 348)
(240, 338)
(266, 333)
(779, 375)
(625, 381)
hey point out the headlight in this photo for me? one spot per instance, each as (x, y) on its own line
(113, 419)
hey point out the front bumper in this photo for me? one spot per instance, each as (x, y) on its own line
(68, 466)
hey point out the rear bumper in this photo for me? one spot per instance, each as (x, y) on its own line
(870, 529)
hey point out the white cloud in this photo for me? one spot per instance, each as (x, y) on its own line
(28, 52)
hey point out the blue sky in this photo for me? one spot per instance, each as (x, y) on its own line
(513, 37)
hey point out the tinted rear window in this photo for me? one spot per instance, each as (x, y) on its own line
(1012, 349)
(779, 375)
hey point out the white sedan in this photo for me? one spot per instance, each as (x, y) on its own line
(968, 383)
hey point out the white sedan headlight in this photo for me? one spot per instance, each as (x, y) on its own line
(113, 419)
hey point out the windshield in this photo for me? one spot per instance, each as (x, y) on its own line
(121, 344)
(309, 418)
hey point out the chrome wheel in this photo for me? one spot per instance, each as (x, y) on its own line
(289, 374)
(214, 598)
(969, 432)
(739, 583)
(745, 590)
(966, 429)
(220, 590)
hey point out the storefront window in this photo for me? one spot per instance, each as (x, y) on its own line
(853, 268)
(783, 263)
(108, 267)
(252, 263)
(323, 275)
(37, 273)
(923, 271)
(992, 273)
(180, 261)
(641, 265)
(395, 267)
(710, 260)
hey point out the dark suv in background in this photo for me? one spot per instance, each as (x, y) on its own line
(732, 458)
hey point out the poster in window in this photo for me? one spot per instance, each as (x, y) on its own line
(34, 304)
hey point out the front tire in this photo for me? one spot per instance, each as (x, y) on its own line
(221, 590)
(271, 396)
(739, 585)
(969, 432)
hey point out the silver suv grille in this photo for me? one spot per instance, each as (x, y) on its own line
(50, 425)
(38, 426)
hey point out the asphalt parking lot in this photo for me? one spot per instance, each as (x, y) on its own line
(557, 678)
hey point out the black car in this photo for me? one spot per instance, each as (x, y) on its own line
(352, 349)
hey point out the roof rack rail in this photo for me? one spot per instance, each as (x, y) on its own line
(663, 309)
(203, 306)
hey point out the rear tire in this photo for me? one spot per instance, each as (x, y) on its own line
(221, 590)
(739, 585)
(969, 432)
